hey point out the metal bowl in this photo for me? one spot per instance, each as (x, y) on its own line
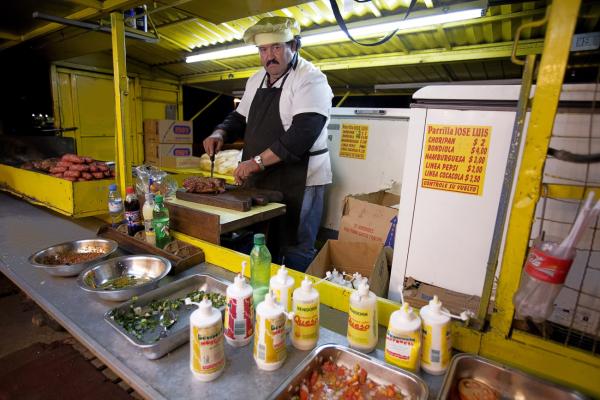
(144, 270)
(106, 246)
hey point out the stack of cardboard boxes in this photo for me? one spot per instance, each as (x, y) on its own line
(168, 143)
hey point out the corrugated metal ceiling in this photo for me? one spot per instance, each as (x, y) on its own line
(471, 50)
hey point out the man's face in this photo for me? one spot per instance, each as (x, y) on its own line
(275, 57)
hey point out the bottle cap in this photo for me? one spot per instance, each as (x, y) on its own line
(129, 190)
(363, 289)
(259, 238)
(158, 198)
(204, 307)
(239, 281)
(112, 187)
(406, 312)
(306, 284)
(269, 301)
(282, 275)
(435, 304)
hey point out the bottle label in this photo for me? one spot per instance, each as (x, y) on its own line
(361, 325)
(208, 352)
(161, 230)
(239, 316)
(306, 321)
(547, 268)
(269, 339)
(115, 206)
(402, 349)
(436, 345)
(133, 218)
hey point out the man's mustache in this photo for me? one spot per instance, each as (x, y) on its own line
(272, 62)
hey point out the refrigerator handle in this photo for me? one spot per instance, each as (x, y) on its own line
(370, 112)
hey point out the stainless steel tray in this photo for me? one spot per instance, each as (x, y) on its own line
(510, 383)
(413, 387)
(178, 333)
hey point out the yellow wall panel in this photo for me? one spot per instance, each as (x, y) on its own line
(96, 105)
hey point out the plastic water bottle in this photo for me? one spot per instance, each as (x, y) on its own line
(115, 205)
(260, 269)
(160, 222)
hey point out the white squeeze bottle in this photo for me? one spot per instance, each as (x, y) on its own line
(362, 319)
(147, 213)
(269, 336)
(403, 339)
(207, 351)
(239, 314)
(282, 285)
(437, 338)
(305, 324)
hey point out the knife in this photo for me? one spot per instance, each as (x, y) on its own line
(212, 165)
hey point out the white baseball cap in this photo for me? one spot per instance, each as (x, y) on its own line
(272, 30)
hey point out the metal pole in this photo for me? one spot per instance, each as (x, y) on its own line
(205, 107)
(509, 176)
(123, 168)
(343, 99)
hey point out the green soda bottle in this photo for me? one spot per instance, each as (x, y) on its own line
(160, 222)
(260, 269)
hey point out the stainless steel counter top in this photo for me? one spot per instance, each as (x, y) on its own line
(27, 228)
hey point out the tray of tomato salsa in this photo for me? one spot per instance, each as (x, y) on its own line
(337, 372)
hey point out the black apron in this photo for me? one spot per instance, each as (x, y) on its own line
(263, 128)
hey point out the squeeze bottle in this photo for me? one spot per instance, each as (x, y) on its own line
(147, 213)
(305, 324)
(281, 285)
(239, 314)
(207, 352)
(362, 319)
(403, 339)
(269, 338)
(437, 338)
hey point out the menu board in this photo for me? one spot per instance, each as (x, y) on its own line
(353, 141)
(455, 158)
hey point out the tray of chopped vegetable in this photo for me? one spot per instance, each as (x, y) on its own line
(337, 372)
(158, 321)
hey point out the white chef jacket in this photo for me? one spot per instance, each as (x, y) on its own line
(305, 90)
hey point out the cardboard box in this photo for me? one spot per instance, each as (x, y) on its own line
(181, 162)
(419, 294)
(168, 131)
(370, 217)
(366, 258)
(164, 155)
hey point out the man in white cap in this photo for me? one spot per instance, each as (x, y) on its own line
(282, 117)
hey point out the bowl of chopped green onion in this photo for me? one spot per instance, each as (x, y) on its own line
(120, 278)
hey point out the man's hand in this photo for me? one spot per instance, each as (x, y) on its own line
(244, 170)
(214, 143)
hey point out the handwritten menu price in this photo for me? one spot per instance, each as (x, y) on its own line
(353, 142)
(455, 158)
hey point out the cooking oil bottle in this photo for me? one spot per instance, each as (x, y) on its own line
(281, 285)
(239, 314)
(207, 352)
(305, 324)
(437, 338)
(362, 319)
(269, 339)
(403, 339)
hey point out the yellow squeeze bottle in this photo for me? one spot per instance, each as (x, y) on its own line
(269, 336)
(403, 339)
(207, 351)
(362, 319)
(437, 338)
(305, 324)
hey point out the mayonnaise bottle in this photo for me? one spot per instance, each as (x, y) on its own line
(437, 338)
(362, 319)
(147, 214)
(269, 336)
(239, 314)
(282, 285)
(403, 339)
(305, 324)
(207, 352)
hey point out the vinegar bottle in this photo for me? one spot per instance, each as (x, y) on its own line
(260, 268)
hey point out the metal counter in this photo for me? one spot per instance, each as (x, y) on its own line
(27, 228)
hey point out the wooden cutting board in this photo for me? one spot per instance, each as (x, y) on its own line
(234, 198)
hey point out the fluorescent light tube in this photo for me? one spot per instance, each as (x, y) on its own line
(358, 32)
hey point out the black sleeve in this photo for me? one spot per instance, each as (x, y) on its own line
(304, 131)
(234, 124)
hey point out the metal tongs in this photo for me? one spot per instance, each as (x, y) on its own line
(212, 165)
